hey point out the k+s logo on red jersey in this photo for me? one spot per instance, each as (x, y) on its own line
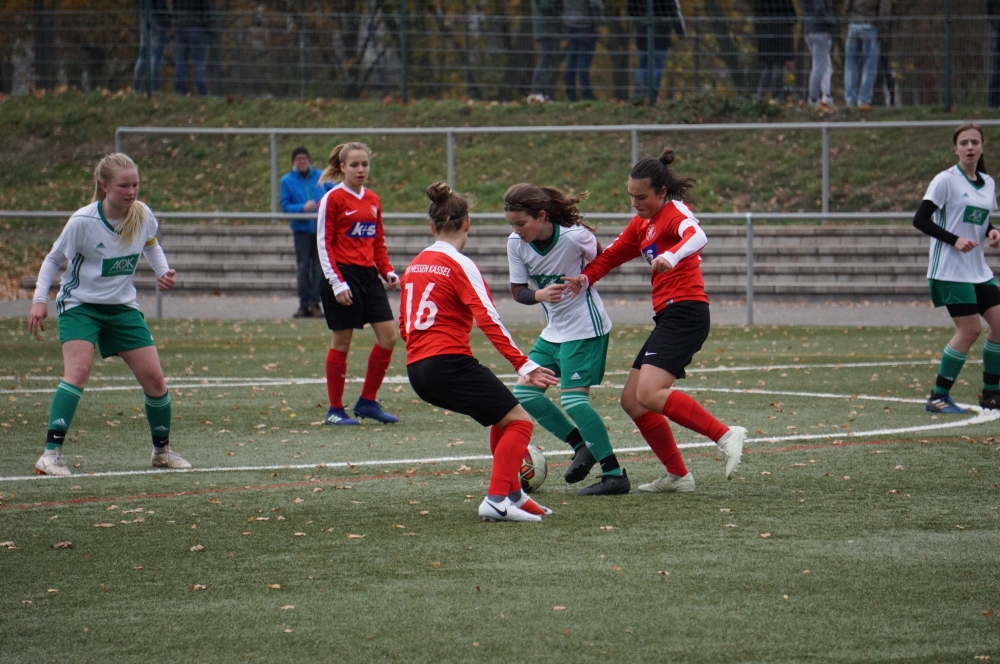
(362, 229)
(649, 253)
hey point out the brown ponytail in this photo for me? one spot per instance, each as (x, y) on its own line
(658, 172)
(448, 210)
(560, 208)
(981, 164)
(333, 171)
(105, 172)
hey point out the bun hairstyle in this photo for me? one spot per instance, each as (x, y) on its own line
(448, 209)
(560, 208)
(658, 172)
(981, 164)
(333, 171)
(105, 172)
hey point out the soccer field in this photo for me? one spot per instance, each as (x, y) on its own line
(859, 528)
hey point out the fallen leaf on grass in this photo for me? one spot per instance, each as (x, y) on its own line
(104, 525)
(53, 518)
(298, 500)
(288, 631)
(318, 489)
(765, 535)
(198, 586)
(62, 545)
(342, 486)
(288, 607)
(412, 502)
(989, 614)
(398, 525)
(981, 657)
(300, 534)
(727, 510)
(26, 601)
(52, 590)
(355, 536)
(805, 571)
(274, 586)
(259, 518)
(664, 573)
(729, 525)
(436, 564)
(281, 518)
(960, 527)
(616, 568)
(8, 545)
(424, 512)
(197, 547)
(847, 478)
(558, 608)
(609, 528)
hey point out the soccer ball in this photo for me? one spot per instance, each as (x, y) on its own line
(533, 469)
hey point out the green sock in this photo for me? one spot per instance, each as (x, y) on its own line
(158, 418)
(951, 365)
(552, 419)
(64, 403)
(991, 366)
(591, 427)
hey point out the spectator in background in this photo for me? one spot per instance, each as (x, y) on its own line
(862, 49)
(153, 27)
(993, 11)
(581, 19)
(773, 22)
(192, 23)
(300, 192)
(818, 24)
(667, 18)
(547, 25)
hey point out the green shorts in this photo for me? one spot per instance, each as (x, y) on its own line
(113, 328)
(944, 293)
(577, 363)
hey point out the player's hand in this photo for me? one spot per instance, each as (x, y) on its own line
(541, 377)
(166, 282)
(965, 245)
(575, 285)
(392, 280)
(344, 298)
(661, 264)
(309, 206)
(39, 311)
(552, 293)
(994, 238)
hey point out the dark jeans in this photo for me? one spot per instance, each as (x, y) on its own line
(192, 42)
(994, 98)
(580, 45)
(309, 274)
(543, 80)
(158, 42)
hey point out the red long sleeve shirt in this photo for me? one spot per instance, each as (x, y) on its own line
(349, 231)
(673, 232)
(443, 292)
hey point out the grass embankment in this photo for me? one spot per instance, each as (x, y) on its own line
(50, 144)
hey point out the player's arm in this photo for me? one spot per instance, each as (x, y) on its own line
(622, 250)
(326, 232)
(382, 255)
(157, 260)
(692, 240)
(923, 221)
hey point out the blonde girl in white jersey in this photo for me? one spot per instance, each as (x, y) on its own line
(100, 245)
(955, 212)
(549, 241)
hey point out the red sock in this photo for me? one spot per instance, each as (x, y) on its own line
(510, 451)
(656, 430)
(688, 413)
(495, 434)
(378, 362)
(336, 373)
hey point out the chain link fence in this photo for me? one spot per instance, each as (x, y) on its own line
(476, 49)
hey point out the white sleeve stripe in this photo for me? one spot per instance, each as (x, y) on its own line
(692, 245)
(475, 278)
(686, 224)
(324, 256)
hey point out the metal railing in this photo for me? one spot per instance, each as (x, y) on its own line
(451, 132)
(748, 217)
(487, 50)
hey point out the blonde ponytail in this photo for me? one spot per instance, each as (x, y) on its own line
(333, 171)
(104, 172)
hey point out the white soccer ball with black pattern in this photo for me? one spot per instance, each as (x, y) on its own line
(533, 469)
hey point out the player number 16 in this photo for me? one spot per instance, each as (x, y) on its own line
(426, 309)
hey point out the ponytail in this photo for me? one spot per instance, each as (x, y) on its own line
(333, 171)
(560, 208)
(135, 216)
(658, 172)
(981, 164)
(448, 210)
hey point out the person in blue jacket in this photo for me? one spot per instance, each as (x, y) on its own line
(300, 192)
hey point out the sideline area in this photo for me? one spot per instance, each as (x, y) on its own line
(631, 311)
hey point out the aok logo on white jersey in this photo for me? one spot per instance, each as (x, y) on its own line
(116, 267)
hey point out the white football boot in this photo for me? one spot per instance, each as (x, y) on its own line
(530, 506)
(51, 463)
(504, 511)
(731, 446)
(670, 483)
(164, 457)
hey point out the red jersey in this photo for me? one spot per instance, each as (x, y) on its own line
(349, 231)
(674, 233)
(443, 292)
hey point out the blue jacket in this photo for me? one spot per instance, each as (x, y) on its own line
(296, 190)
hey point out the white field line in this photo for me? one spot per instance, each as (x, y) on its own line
(188, 382)
(981, 417)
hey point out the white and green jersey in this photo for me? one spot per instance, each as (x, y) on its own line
(964, 210)
(99, 268)
(582, 317)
